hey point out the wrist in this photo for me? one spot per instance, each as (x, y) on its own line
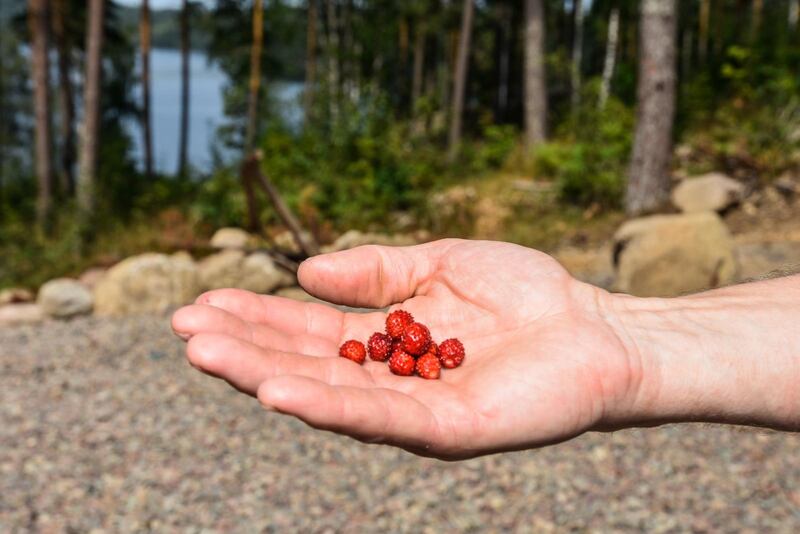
(730, 355)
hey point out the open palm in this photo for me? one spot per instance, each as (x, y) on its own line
(542, 365)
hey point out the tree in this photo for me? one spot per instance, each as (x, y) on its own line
(87, 177)
(311, 56)
(37, 18)
(535, 88)
(648, 175)
(66, 98)
(144, 37)
(794, 14)
(460, 79)
(183, 146)
(255, 75)
(611, 56)
(577, 53)
(702, 29)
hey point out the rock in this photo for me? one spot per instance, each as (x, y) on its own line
(355, 238)
(787, 185)
(148, 283)
(668, 255)
(64, 297)
(709, 192)
(231, 238)
(15, 295)
(232, 268)
(24, 313)
(286, 243)
(92, 277)
(759, 259)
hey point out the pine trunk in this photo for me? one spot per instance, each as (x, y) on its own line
(611, 56)
(460, 81)
(183, 146)
(648, 175)
(144, 36)
(577, 53)
(794, 15)
(66, 101)
(37, 14)
(535, 88)
(311, 58)
(87, 177)
(702, 30)
(419, 65)
(255, 74)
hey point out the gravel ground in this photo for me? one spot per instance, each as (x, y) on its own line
(104, 427)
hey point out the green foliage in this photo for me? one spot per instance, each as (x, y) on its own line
(588, 158)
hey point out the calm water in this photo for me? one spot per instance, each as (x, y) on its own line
(205, 109)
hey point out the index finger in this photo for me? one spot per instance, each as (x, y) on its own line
(294, 317)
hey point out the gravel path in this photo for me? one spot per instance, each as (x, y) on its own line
(104, 427)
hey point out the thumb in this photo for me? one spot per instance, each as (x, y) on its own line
(371, 276)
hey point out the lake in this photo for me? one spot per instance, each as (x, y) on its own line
(206, 84)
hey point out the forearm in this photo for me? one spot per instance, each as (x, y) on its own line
(730, 355)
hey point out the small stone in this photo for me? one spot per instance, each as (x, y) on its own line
(231, 238)
(64, 297)
(709, 192)
(15, 295)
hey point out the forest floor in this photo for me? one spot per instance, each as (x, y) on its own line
(105, 427)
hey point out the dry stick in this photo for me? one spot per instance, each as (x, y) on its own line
(252, 169)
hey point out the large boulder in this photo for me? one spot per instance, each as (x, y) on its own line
(148, 283)
(668, 255)
(64, 297)
(231, 238)
(24, 313)
(232, 268)
(709, 192)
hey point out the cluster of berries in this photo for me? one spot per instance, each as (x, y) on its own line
(408, 347)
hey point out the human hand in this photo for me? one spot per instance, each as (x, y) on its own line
(542, 364)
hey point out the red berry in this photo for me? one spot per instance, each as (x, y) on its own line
(396, 323)
(353, 350)
(379, 347)
(451, 353)
(416, 339)
(428, 366)
(433, 348)
(402, 363)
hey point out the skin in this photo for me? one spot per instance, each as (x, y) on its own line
(548, 357)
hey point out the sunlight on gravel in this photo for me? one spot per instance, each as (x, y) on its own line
(103, 425)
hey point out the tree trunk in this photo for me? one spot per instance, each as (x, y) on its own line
(460, 80)
(648, 175)
(255, 74)
(755, 28)
(577, 54)
(37, 19)
(504, 66)
(794, 15)
(311, 58)
(144, 36)
(183, 146)
(66, 100)
(611, 56)
(535, 88)
(702, 30)
(333, 53)
(419, 65)
(87, 177)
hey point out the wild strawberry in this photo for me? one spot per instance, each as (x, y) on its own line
(402, 363)
(451, 353)
(379, 347)
(416, 339)
(396, 323)
(428, 366)
(353, 350)
(433, 348)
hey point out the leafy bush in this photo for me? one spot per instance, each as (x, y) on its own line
(588, 158)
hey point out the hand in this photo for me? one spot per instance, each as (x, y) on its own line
(542, 363)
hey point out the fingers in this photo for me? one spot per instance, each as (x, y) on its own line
(375, 415)
(197, 319)
(245, 365)
(372, 276)
(286, 315)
